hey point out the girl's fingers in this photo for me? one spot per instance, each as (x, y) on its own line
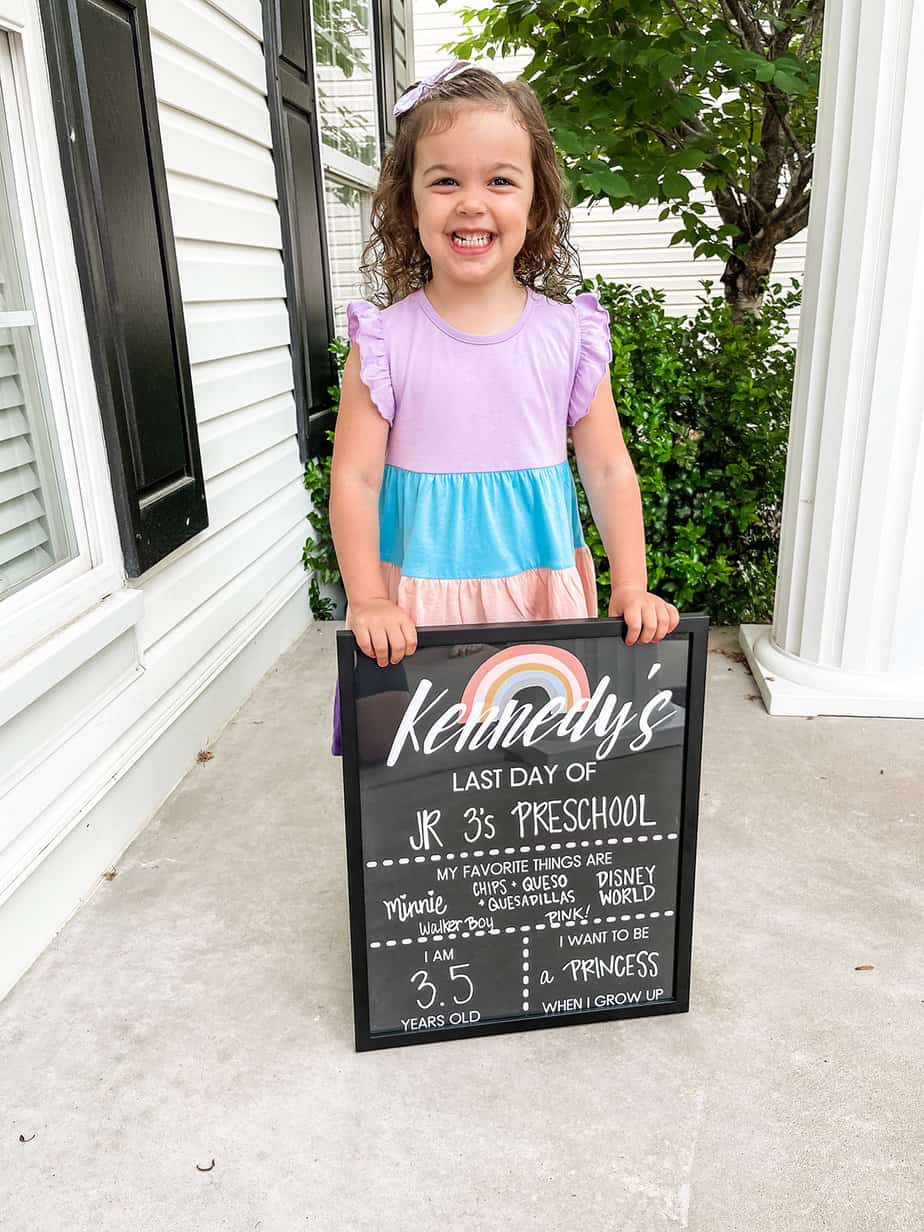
(398, 647)
(403, 639)
(363, 641)
(649, 621)
(632, 616)
(391, 639)
(650, 613)
(380, 642)
(410, 637)
(664, 622)
(635, 621)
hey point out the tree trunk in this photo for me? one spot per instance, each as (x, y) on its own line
(745, 280)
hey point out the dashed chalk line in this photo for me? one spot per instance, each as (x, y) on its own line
(436, 857)
(521, 928)
(526, 973)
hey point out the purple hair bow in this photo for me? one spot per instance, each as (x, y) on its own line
(426, 86)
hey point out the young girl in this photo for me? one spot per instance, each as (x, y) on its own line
(452, 501)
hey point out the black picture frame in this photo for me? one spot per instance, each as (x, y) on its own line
(693, 628)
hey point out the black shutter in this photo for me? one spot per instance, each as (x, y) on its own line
(297, 152)
(109, 138)
(392, 32)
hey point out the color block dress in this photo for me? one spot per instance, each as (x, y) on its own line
(478, 512)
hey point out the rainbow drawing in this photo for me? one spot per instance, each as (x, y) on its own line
(499, 678)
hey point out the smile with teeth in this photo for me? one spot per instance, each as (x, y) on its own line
(472, 241)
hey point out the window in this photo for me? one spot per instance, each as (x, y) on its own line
(347, 93)
(36, 526)
(56, 498)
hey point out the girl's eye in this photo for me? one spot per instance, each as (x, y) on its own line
(446, 178)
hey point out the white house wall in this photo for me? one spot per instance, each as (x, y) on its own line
(630, 245)
(87, 763)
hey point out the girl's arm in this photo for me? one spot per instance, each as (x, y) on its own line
(381, 628)
(615, 501)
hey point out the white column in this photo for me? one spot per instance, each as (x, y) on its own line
(848, 623)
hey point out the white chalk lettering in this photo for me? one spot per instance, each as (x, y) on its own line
(577, 814)
(524, 722)
(643, 964)
(403, 908)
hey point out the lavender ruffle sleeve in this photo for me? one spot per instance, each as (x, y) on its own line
(595, 353)
(365, 327)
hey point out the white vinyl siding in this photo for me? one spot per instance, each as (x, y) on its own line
(210, 81)
(157, 669)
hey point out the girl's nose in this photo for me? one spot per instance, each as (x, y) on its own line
(472, 209)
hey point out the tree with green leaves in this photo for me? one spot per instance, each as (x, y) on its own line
(639, 92)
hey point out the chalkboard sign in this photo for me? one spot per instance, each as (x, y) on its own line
(521, 805)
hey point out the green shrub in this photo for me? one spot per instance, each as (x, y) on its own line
(318, 555)
(704, 407)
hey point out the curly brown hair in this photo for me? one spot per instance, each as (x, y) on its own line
(394, 256)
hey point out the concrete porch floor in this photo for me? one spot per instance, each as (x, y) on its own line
(198, 1008)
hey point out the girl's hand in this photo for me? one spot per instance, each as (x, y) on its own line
(647, 617)
(379, 624)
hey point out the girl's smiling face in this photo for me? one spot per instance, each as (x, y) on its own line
(474, 179)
